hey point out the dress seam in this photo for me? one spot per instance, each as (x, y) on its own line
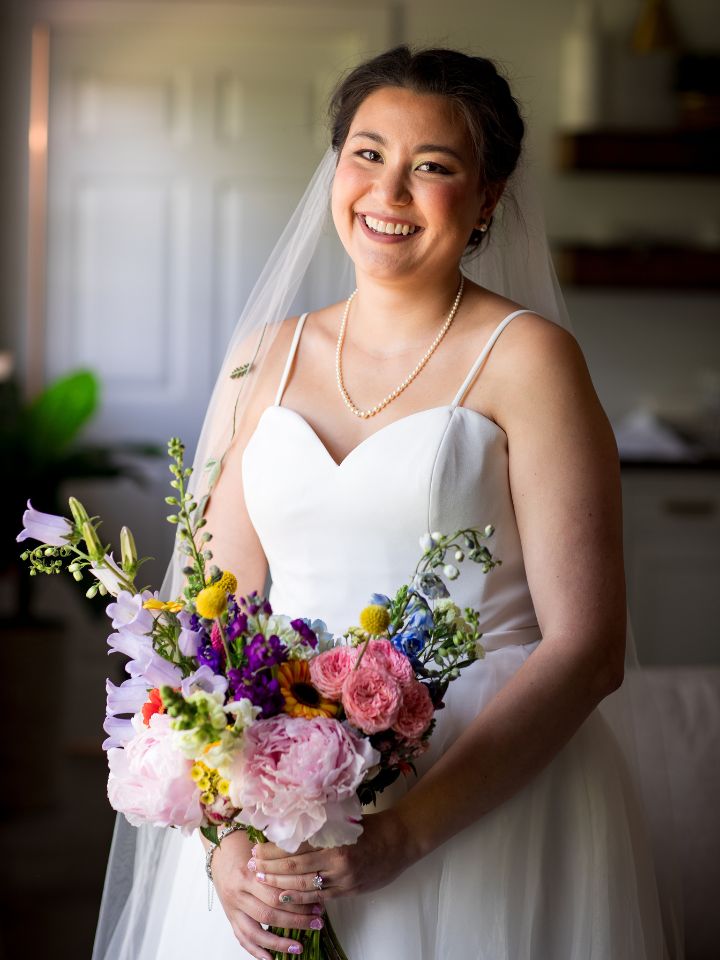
(434, 467)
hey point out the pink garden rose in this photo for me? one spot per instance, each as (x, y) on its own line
(150, 779)
(382, 653)
(329, 670)
(416, 711)
(371, 698)
(296, 780)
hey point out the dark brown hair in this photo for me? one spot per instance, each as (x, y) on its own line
(474, 85)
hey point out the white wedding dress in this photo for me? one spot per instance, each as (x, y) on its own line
(562, 870)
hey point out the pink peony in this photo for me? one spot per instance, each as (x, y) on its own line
(416, 711)
(296, 780)
(150, 779)
(371, 698)
(382, 654)
(329, 670)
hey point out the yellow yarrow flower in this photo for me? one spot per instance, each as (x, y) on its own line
(204, 783)
(207, 798)
(228, 581)
(375, 619)
(223, 787)
(197, 772)
(211, 602)
(301, 698)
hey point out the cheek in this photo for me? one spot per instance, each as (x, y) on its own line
(454, 204)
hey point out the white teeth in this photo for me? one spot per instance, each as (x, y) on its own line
(381, 226)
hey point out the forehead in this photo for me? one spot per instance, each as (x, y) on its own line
(398, 113)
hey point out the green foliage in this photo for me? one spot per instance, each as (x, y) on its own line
(54, 419)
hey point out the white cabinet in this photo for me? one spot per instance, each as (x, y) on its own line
(672, 561)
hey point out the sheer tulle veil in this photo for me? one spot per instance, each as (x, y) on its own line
(306, 269)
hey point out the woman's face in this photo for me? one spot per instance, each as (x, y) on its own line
(406, 194)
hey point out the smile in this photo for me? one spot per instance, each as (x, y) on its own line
(387, 229)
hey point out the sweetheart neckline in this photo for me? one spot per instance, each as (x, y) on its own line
(409, 416)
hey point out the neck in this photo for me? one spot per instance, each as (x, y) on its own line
(400, 315)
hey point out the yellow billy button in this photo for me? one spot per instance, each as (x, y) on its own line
(211, 601)
(374, 619)
(227, 581)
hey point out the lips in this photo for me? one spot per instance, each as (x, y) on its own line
(387, 229)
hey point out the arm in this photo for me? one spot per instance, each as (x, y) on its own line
(236, 547)
(564, 479)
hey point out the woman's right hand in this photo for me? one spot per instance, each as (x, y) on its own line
(248, 903)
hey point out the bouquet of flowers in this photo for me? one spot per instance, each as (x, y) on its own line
(235, 715)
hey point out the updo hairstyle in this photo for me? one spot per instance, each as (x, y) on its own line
(481, 95)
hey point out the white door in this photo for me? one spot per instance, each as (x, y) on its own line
(179, 144)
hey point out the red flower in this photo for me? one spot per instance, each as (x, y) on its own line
(152, 706)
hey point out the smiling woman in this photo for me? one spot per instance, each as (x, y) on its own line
(523, 836)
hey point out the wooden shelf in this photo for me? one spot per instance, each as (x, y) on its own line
(658, 267)
(641, 151)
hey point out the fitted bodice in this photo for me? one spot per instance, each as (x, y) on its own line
(334, 533)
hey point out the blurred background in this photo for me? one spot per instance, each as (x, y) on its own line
(151, 153)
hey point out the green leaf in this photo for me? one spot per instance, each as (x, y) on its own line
(210, 833)
(55, 417)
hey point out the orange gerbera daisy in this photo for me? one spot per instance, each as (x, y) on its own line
(301, 697)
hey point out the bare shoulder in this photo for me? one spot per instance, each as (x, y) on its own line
(535, 365)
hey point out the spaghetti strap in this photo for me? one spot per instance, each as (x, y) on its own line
(291, 356)
(475, 369)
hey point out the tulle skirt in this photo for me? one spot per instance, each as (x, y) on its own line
(561, 870)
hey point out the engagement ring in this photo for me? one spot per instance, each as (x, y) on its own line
(318, 881)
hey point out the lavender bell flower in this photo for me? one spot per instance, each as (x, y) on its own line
(109, 574)
(203, 679)
(44, 527)
(128, 698)
(128, 613)
(190, 636)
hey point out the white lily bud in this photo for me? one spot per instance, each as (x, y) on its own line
(451, 571)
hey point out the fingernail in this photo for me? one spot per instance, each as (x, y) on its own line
(318, 909)
(317, 924)
(285, 898)
(295, 948)
(260, 876)
(255, 850)
(251, 864)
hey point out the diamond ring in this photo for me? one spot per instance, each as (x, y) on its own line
(318, 881)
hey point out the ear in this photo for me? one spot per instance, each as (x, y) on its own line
(490, 199)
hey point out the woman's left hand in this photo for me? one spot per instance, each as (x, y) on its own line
(381, 853)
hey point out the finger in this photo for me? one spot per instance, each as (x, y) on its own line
(305, 883)
(304, 901)
(311, 862)
(276, 915)
(253, 938)
(293, 902)
(270, 851)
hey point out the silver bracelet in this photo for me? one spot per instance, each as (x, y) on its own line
(225, 832)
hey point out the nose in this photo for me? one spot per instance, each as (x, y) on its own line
(392, 185)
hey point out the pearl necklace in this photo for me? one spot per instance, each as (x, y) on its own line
(364, 414)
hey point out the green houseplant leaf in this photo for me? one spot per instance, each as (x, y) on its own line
(56, 416)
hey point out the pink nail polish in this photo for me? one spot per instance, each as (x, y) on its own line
(251, 864)
(318, 909)
(317, 924)
(255, 850)
(260, 876)
(295, 948)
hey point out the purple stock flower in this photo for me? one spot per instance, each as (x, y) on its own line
(263, 652)
(211, 658)
(44, 527)
(307, 634)
(237, 626)
(255, 604)
(263, 691)
(191, 636)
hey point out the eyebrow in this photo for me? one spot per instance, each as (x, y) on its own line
(420, 148)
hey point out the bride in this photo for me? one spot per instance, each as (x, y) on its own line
(429, 401)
